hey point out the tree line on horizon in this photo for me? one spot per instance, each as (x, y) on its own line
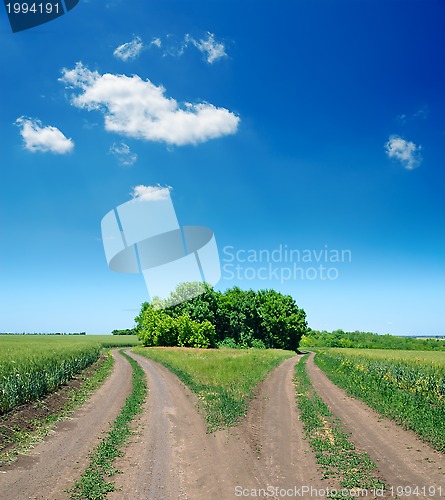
(368, 340)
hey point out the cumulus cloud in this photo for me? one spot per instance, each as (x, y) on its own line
(37, 137)
(151, 193)
(408, 153)
(139, 109)
(130, 50)
(156, 42)
(211, 49)
(123, 154)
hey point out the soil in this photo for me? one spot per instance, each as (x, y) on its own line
(53, 465)
(172, 456)
(26, 416)
(402, 458)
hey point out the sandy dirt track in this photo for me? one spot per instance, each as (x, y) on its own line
(401, 457)
(54, 464)
(172, 457)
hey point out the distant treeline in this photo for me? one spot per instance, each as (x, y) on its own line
(367, 340)
(40, 333)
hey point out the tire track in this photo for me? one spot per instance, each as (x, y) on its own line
(172, 457)
(54, 464)
(402, 458)
(276, 431)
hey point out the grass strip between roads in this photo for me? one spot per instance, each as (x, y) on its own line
(334, 452)
(92, 483)
(223, 379)
(34, 432)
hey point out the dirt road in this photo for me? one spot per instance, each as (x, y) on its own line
(401, 457)
(172, 457)
(54, 464)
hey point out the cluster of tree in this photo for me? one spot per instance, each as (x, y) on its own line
(127, 331)
(263, 318)
(367, 340)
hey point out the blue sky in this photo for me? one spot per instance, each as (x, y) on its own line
(310, 126)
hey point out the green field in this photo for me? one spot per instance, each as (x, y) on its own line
(223, 379)
(407, 386)
(429, 358)
(34, 365)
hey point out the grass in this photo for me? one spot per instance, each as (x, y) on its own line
(32, 366)
(334, 452)
(38, 428)
(223, 379)
(93, 483)
(432, 359)
(406, 386)
(115, 340)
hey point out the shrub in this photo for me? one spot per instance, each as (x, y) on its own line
(156, 328)
(228, 342)
(257, 344)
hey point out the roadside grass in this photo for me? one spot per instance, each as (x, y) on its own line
(223, 379)
(93, 483)
(36, 429)
(406, 386)
(334, 452)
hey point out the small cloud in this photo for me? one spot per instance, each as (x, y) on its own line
(151, 193)
(123, 154)
(172, 46)
(211, 49)
(404, 151)
(156, 42)
(422, 113)
(130, 50)
(37, 137)
(139, 109)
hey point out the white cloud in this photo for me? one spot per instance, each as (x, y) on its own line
(422, 113)
(36, 137)
(129, 50)
(212, 49)
(123, 154)
(137, 108)
(157, 42)
(151, 193)
(404, 151)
